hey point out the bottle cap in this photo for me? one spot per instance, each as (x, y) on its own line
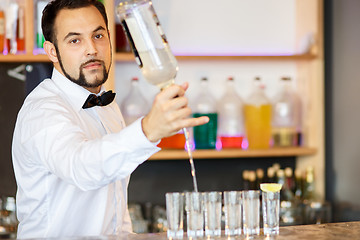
(245, 174)
(252, 176)
(310, 169)
(298, 173)
(276, 166)
(270, 172)
(259, 173)
(288, 172)
(280, 173)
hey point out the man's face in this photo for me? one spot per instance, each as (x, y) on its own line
(83, 46)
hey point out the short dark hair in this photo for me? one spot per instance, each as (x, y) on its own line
(53, 8)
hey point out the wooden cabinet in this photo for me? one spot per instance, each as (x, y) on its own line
(309, 67)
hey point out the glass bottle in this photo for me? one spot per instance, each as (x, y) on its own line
(285, 115)
(285, 194)
(258, 117)
(121, 42)
(298, 184)
(259, 177)
(2, 28)
(299, 141)
(309, 184)
(280, 176)
(270, 175)
(231, 123)
(11, 16)
(276, 166)
(148, 42)
(205, 105)
(20, 33)
(245, 180)
(176, 141)
(289, 178)
(252, 180)
(134, 104)
(41, 4)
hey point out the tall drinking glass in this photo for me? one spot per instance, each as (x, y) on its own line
(194, 214)
(174, 214)
(271, 207)
(232, 209)
(251, 212)
(271, 212)
(213, 204)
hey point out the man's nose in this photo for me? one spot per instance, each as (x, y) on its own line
(91, 48)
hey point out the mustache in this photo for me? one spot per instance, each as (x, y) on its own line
(92, 61)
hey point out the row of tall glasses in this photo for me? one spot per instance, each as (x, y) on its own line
(203, 211)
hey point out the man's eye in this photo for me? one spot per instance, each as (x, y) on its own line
(98, 36)
(74, 41)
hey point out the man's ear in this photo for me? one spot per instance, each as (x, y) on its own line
(50, 51)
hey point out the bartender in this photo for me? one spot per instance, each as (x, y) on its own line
(72, 154)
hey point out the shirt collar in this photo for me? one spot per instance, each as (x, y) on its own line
(75, 94)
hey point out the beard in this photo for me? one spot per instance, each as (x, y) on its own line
(81, 80)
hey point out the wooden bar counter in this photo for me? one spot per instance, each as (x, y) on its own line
(328, 231)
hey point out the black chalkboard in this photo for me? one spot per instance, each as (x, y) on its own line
(16, 81)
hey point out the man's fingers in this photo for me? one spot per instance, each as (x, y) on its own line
(173, 91)
(192, 122)
(178, 103)
(185, 85)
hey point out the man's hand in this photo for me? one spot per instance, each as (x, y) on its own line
(169, 114)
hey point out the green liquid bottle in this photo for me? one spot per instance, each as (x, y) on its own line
(205, 135)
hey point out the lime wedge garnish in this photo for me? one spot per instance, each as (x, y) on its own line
(270, 187)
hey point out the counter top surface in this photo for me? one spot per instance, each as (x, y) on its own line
(329, 231)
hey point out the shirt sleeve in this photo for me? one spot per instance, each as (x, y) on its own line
(126, 223)
(53, 139)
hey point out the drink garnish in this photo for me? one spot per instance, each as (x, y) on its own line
(270, 187)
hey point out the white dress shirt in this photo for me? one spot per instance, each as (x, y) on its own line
(72, 165)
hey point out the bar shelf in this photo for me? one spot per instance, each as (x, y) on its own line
(179, 154)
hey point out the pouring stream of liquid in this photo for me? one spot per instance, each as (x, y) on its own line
(190, 159)
(187, 142)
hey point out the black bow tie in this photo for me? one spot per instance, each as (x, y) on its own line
(102, 100)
